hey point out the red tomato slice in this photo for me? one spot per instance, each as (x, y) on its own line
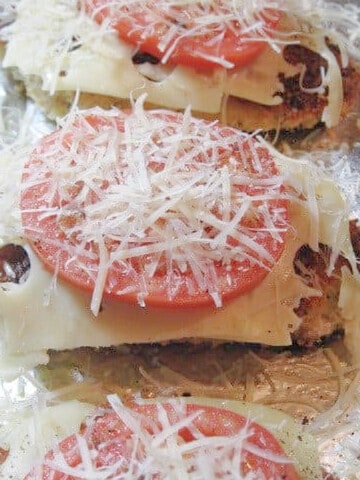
(155, 207)
(197, 34)
(123, 442)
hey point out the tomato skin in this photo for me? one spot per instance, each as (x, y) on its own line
(145, 24)
(109, 438)
(50, 240)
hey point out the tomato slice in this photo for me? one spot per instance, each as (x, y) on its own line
(202, 35)
(134, 439)
(155, 208)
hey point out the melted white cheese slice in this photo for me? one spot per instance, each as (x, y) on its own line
(31, 432)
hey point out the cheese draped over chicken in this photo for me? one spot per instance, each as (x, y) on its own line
(68, 51)
(45, 312)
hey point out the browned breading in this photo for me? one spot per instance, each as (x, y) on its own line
(299, 111)
(321, 315)
(14, 263)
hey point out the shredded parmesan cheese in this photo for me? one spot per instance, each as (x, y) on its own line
(157, 194)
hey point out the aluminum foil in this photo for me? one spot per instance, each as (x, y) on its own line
(21, 121)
